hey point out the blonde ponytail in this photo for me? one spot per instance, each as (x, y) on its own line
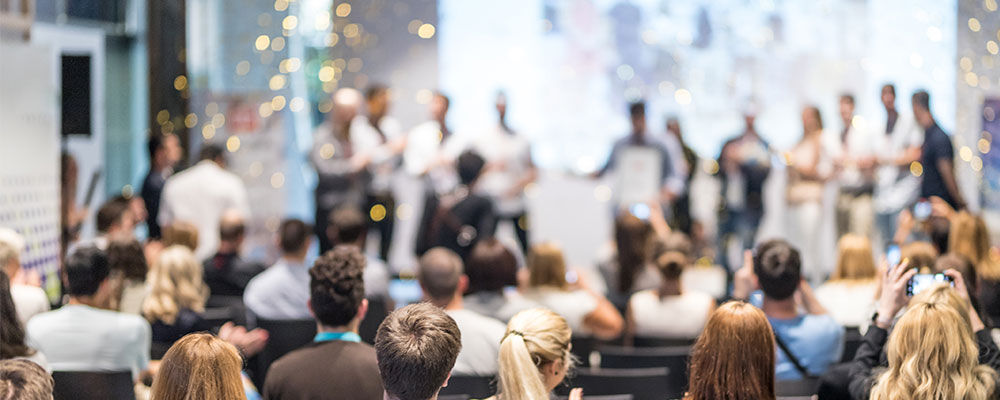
(533, 339)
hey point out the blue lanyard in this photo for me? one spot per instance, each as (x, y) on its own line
(344, 336)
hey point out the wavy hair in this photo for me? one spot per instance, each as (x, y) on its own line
(970, 238)
(200, 366)
(534, 338)
(855, 261)
(734, 356)
(175, 283)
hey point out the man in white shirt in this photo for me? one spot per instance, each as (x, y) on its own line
(282, 291)
(854, 156)
(28, 300)
(432, 148)
(201, 194)
(443, 283)
(83, 335)
(898, 145)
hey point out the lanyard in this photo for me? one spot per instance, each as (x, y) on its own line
(330, 336)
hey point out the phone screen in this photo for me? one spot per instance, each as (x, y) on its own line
(920, 282)
(922, 210)
(640, 210)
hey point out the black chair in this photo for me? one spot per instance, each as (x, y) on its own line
(283, 337)
(476, 387)
(674, 359)
(213, 318)
(649, 341)
(581, 347)
(611, 397)
(453, 397)
(852, 341)
(641, 383)
(378, 309)
(93, 385)
(796, 388)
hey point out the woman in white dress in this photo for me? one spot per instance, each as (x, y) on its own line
(808, 170)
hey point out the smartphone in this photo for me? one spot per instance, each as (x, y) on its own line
(919, 282)
(893, 255)
(639, 210)
(922, 210)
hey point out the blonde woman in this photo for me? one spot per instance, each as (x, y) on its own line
(177, 295)
(534, 356)
(585, 310)
(970, 237)
(200, 366)
(849, 295)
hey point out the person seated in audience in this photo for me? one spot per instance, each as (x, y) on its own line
(491, 267)
(441, 278)
(115, 219)
(965, 268)
(586, 311)
(12, 336)
(733, 358)
(970, 238)
(200, 366)
(29, 300)
(850, 293)
(128, 265)
(24, 380)
(814, 339)
(348, 226)
(534, 356)
(176, 297)
(349, 368)
(416, 347)
(670, 311)
(932, 350)
(181, 232)
(460, 219)
(628, 270)
(282, 291)
(84, 335)
(227, 273)
(921, 255)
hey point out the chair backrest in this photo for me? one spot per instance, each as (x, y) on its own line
(641, 383)
(378, 309)
(453, 397)
(475, 387)
(93, 385)
(710, 280)
(581, 347)
(796, 388)
(649, 341)
(283, 337)
(852, 341)
(674, 359)
(611, 397)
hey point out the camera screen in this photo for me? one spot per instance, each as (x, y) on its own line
(919, 282)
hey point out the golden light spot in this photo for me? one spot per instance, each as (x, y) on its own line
(294, 64)
(965, 63)
(243, 68)
(523, 222)
(990, 5)
(327, 150)
(297, 104)
(326, 73)
(180, 82)
(602, 193)
(325, 106)
(682, 96)
(712, 167)
(162, 117)
(278, 44)
(404, 211)
(343, 10)
(262, 42)
(974, 25)
(290, 22)
(332, 39)
(983, 145)
(991, 47)
(277, 82)
(211, 108)
(976, 163)
(218, 120)
(971, 79)
(377, 213)
(168, 127)
(233, 144)
(277, 180)
(278, 103)
(265, 109)
(354, 64)
(207, 131)
(322, 21)
(424, 96)
(351, 30)
(413, 26)
(965, 153)
(191, 120)
(858, 122)
(127, 191)
(280, 5)
(916, 168)
(426, 31)
(256, 168)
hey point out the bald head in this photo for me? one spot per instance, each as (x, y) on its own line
(441, 274)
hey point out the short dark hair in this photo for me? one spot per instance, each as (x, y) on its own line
(416, 347)
(337, 286)
(637, 109)
(778, 267)
(470, 165)
(127, 256)
(490, 266)
(23, 379)
(211, 151)
(891, 87)
(439, 272)
(375, 90)
(939, 229)
(155, 143)
(847, 97)
(922, 99)
(231, 230)
(111, 212)
(347, 226)
(293, 235)
(85, 269)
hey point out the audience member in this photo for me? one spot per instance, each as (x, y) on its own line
(282, 291)
(128, 265)
(115, 219)
(807, 343)
(24, 380)
(491, 267)
(534, 356)
(181, 233)
(687, 310)
(739, 329)
(29, 300)
(416, 347)
(200, 194)
(176, 297)
(920, 254)
(628, 270)
(348, 226)
(850, 294)
(459, 219)
(200, 366)
(443, 283)
(964, 267)
(164, 153)
(337, 300)
(12, 336)
(83, 335)
(227, 273)
(971, 238)
(585, 310)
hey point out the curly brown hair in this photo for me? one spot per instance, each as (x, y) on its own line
(337, 286)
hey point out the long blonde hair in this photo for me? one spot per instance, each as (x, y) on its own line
(933, 354)
(199, 366)
(855, 261)
(175, 283)
(970, 238)
(533, 339)
(546, 266)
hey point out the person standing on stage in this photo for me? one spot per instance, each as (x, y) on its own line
(340, 166)
(685, 160)
(640, 138)
(809, 168)
(744, 164)
(380, 136)
(853, 155)
(509, 170)
(432, 148)
(937, 156)
(895, 187)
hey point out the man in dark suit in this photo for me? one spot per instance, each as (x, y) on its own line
(164, 153)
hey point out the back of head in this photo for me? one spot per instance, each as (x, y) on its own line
(212, 152)
(337, 286)
(416, 347)
(111, 213)
(778, 268)
(439, 274)
(128, 257)
(347, 226)
(632, 237)
(200, 366)
(293, 236)
(637, 109)
(86, 269)
(181, 233)
(175, 284)
(921, 99)
(546, 266)
(671, 265)
(490, 267)
(154, 144)
(971, 238)
(733, 328)
(939, 230)
(232, 228)
(854, 259)
(21, 379)
(534, 338)
(921, 255)
(12, 336)
(12, 244)
(469, 166)
(933, 354)
(961, 264)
